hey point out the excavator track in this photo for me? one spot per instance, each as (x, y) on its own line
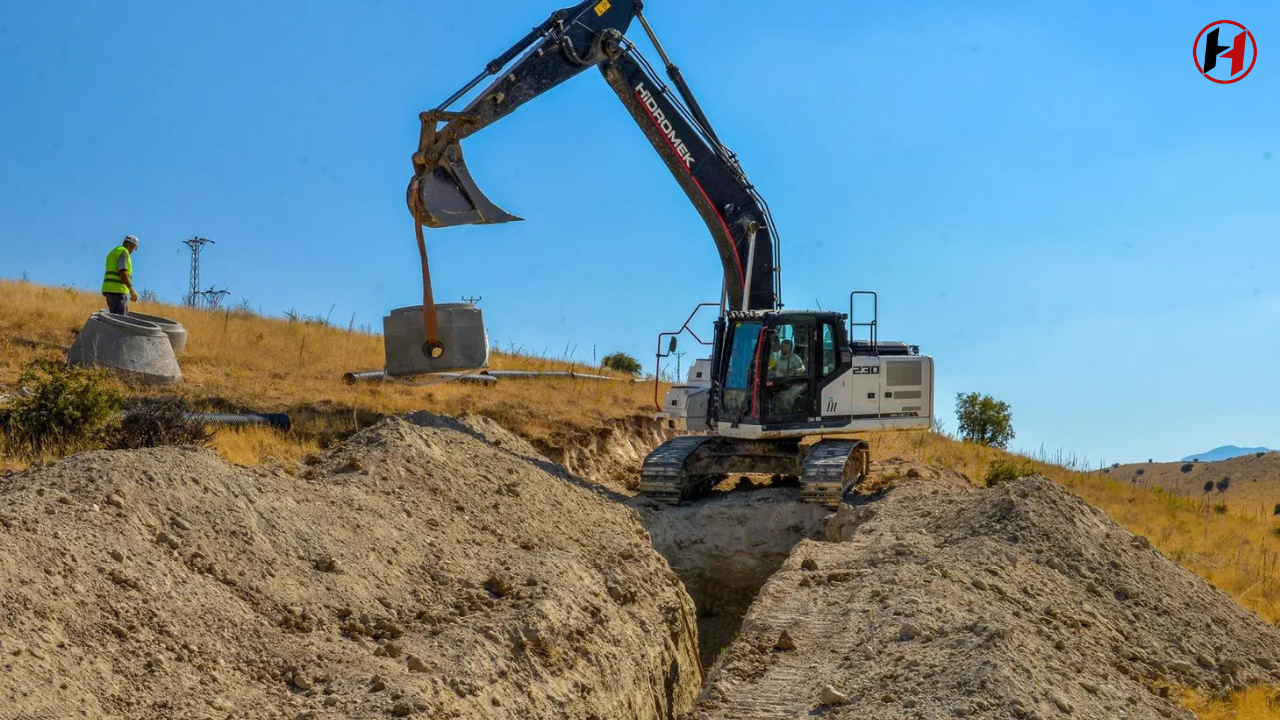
(684, 467)
(664, 475)
(832, 467)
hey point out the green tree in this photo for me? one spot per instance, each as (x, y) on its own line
(621, 362)
(984, 420)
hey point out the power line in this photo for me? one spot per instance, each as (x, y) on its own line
(212, 297)
(193, 292)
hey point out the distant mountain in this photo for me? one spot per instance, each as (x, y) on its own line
(1226, 452)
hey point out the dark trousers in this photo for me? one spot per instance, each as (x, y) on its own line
(117, 303)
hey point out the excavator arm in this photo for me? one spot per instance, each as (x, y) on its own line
(442, 192)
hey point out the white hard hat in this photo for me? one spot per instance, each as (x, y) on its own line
(130, 239)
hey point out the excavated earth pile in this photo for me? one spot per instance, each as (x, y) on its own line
(1017, 602)
(427, 567)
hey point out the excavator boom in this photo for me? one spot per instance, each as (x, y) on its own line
(442, 192)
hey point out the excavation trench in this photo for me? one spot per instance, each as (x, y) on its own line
(726, 548)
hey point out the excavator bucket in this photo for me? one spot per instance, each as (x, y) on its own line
(447, 196)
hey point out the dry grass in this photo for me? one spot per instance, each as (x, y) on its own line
(1257, 703)
(1254, 488)
(255, 445)
(237, 360)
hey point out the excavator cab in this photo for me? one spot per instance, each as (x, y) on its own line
(775, 366)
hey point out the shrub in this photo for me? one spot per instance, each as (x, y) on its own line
(1187, 467)
(621, 362)
(1140, 472)
(1224, 483)
(1220, 508)
(1000, 472)
(65, 411)
(149, 423)
(1260, 453)
(984, 420)
(1277, 512)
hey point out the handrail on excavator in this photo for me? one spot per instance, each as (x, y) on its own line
(671, 348)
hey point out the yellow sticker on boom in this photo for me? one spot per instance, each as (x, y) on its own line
(602, 8)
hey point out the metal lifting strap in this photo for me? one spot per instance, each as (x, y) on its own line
(431, 323)
(433, 348)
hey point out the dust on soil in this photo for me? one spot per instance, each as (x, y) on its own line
(726, 548)
(429, 567)
(1016, 602)
(444, 568)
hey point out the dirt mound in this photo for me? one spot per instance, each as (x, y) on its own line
(1016, 602)
(435, 568)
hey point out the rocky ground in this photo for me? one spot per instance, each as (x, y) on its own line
(938, 601)
(444, 568)
(427, 567)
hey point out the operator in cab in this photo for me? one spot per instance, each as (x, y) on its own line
(786, 363)
(117, 283)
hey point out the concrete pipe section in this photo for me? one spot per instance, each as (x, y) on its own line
(466, 344)
(136, 349)
(177, 334)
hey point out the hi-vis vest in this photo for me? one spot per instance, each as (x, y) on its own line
(111, 282)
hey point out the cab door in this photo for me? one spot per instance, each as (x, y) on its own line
(791, 371)
(739, 397)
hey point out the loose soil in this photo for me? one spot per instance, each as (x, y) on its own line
(428, 566)
(939, 601)
(445, 568)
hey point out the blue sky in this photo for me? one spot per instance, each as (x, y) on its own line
(1048, 197)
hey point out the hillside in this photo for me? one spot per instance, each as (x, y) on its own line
(1225, 452)
(597, 430)
(241, 361)
(1253, 486)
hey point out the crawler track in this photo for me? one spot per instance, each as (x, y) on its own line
(664, 475)
(684, 467)
(832, 467)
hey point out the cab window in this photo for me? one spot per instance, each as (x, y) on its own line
(742, 356)
(830, 353)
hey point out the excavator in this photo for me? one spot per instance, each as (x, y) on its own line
(775, 377)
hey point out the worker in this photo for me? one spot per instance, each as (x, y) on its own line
(117, 284)
(786, 363)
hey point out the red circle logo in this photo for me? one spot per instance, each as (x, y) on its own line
(1225, 52)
